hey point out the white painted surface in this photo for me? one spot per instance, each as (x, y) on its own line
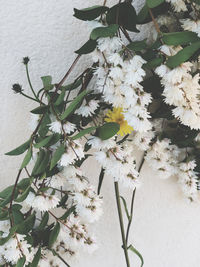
(165, 227)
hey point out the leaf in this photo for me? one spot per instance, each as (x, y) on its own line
(40, 157)
(24, 183)
(54, 234)
(27, 225)
(61, 97)
(57, 155)
(124, 15)
(134, 250)
(67, 213)
(5, 239)
(87, 48)
(183, 55)
(101, 176)
(36, 258)
(27, 159)
(84, 132)
(108, 130)
(40, 110)
(100, 32)
(47, 80)
(20, 149)
(20, 262)
(44, 163)
(44, 127)
(7, 191)
(18, 217)
(73, 105)
(125, 207)
(137, 45)
(179, 38)
(143, 14)
(90, 13)
(44, 142)
(24, 195)
(73, 85)
(44, 221)
(154, 62)
(154, 3)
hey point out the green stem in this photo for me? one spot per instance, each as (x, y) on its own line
(30, 97)
(30, 84)
(121, 223)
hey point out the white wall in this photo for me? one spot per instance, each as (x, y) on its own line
(165, 227)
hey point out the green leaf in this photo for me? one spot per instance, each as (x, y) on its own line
(44, 221)
(44, 163)
(36, 259)
(20, 262)
(5, 239)
(27, 159)
(124, 15)
(18, 217)
(67, 213)
(179, 38)
(73, 85)
(87, 48)
(44, 127)
(90, 13)
(134, 250)
(27, 225)
(24, 195)
(73, 105)
(44, 142)
(125, 207)
(154, 3)
(183, 55)
(40, 110)
(196, 1)
(143, 14)
(40, 157)
(137, 45)
(108, 31)
(54, 234)
(24, 183)
(47, 80)
(57, 156)
(20, 149)
(61, 97)
(83, 132)
(154, 62)
(7, 191)
(108, 130)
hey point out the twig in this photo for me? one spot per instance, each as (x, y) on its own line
(121, 223)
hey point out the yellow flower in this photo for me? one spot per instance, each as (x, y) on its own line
(116, 115)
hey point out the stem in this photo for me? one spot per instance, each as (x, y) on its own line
(30, 84)
(132, 203)
(60, 257)
(30, 97)
(121, 223)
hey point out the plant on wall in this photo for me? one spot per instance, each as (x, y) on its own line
(138, 93)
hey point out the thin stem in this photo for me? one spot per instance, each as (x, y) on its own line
(121, 223)
(60, 258)
(30, 84)
(132, 203)
(30, 97)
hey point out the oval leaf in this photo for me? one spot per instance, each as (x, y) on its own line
(27, 159)
(108, 130)
(179, 38)
(57, 156)
(44, 142)
(87, 48)
(100, 32)
(54, 234)
(154, 3)
(90, 13)
(20, 149)
(36, 259)
(83, 132)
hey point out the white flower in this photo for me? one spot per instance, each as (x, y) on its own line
(69, 127)
(87, 108)
(45, 202)
(179, 5)
(55, 127)
(191, 25)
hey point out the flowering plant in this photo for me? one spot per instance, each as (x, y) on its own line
(137, 93)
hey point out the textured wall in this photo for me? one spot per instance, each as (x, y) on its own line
(165, 227)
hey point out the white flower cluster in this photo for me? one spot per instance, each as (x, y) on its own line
(191, 25)
(117, 160)
(15, 248)
(181, 90)
(188, 179)
(163, 158)
(119, 82)
(179, 5)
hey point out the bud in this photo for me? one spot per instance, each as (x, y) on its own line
(17, 88)
(26, 60)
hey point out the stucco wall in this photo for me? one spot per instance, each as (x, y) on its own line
(165, 227)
